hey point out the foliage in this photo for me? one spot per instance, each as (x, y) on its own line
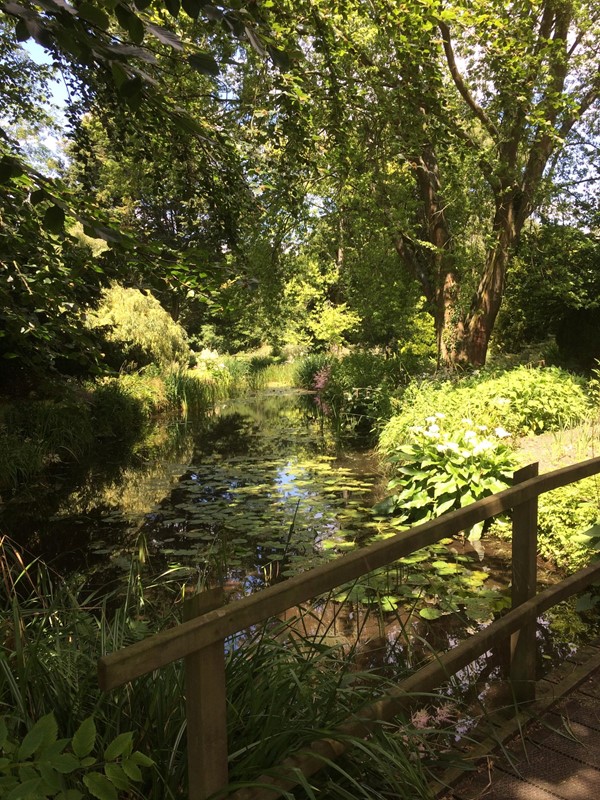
(331, 324)
(567, 525)
(356, 392)
(522, 400)
(42, 765)
(284, 687)
(141, 326)
(308, 367)
(439, 467)
(554, 271)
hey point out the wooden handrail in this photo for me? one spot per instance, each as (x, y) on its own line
(196, 634)
(311, 758)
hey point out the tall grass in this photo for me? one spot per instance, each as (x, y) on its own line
(286, 687)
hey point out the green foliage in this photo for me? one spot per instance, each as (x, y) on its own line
(331, 324)
(440, 467)
(141, 326)
(308, 366)
(554, 272)
(283, 690)
(566, 519)
(38, 433)
(522, 400)
(42, 766)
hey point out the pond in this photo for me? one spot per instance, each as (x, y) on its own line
(247, 496)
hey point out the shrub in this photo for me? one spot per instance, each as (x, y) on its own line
(521, 400)
(140, 325)
(564, 516)
(436, 470)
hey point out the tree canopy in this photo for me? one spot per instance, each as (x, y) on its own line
(317, 172)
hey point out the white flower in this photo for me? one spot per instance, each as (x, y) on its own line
(501, 433)
(502, 401)
(467, 421)
(441, 448)
(440, 415)
(430, 420)
(452, 446)
(482, 446)
(470, 435)
(433, 429)
(482, 428)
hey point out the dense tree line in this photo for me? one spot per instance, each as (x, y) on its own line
(303, 174)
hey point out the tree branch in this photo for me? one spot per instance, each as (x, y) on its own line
(460, 84)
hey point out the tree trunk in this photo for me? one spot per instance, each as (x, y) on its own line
(473, 333)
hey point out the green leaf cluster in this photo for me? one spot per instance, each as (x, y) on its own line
(439, 467)
(522, 400)
(42, 765)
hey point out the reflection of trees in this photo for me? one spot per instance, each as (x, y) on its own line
(136, 488)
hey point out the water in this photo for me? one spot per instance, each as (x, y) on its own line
(248, 496)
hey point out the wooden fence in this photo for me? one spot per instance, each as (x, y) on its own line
(200, 640)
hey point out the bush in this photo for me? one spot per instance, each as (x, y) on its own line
(142, 328)
(437, 470)
(522, 400)
(564, 516)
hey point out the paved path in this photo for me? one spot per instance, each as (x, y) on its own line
(559, 755)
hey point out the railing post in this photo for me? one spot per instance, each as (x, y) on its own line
(205, 706)
(524, 586)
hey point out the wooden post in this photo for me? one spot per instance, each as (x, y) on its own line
(205, 706)
(523, 645)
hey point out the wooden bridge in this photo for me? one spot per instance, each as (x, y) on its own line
(200, 641)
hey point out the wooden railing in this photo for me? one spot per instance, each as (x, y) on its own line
(200, 639)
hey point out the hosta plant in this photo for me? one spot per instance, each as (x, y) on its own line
(437, 470)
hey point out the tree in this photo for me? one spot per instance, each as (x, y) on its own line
(459, 114)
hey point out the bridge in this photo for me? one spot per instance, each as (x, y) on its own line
(200, 641)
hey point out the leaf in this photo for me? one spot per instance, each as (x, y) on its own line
(9, 168)
(166, 37)
(116, 776)
(121, 745)
(173, 7)
(43, 732)
(131, 769)
(24, 789)
(99, 786)
(192, 8)
(204, 63)
(54, 219)
(65, 763)
(475, 532)
(142, 759)
(84, 738)
(135, 28)
(430, 613)
(131, 87)
(93, 14)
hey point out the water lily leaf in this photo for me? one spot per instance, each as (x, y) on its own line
(431, 613)
(388, 602)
